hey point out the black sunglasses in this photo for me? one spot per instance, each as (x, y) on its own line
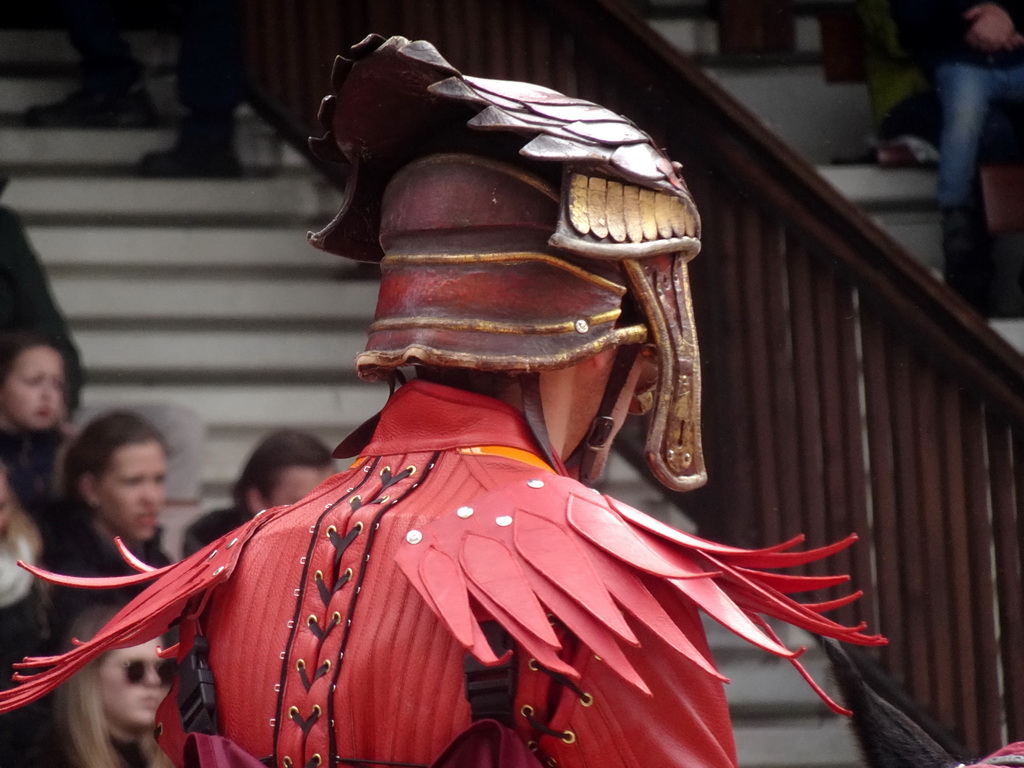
(135, 671)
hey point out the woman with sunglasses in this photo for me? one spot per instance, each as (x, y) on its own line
(104, 716)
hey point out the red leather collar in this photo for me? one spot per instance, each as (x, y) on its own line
(424, 416)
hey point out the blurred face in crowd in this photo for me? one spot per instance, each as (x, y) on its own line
(127, 498)
(32, 395)
(132, 683)
(291, 485)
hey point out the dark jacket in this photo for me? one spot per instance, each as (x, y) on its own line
(933, 32)
(73, 545)
(29, 458)
(26, 303)
(212, 526)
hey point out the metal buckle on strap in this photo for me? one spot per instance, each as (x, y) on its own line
(197, 698)
(491, 690)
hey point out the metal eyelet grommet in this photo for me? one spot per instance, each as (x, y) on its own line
(527, 710)
(411, 469)
(386, 469)
(551, 762)
(569, 737)
(382, 499)
(292, 711)
(316, 759)
(359, 526)
(326, 665)
(311, 619)
(316, 710)
(286, 761)
(300, 665)
(330, 529)
(587, 700)
(336, 618)
(348, 572)
(533, 665)
(318, 576)
(533, 746)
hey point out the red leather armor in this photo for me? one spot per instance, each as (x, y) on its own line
(338, 627)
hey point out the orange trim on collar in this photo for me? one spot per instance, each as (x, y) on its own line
(507, 452)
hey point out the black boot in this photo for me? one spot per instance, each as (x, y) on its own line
(192, 159)
(966, 249)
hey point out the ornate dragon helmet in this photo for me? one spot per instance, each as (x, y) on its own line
(518, 230)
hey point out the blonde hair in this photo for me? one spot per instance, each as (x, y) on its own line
(81, 724)
(19, 525)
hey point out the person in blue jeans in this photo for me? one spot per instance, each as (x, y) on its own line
(111, 95)
(974, 53)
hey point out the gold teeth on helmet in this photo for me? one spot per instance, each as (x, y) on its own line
(622, 212)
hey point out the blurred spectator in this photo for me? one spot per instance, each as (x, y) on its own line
(23, 628)
(282, 469)
(112, 485)
(31, 413)
(26, 303)
(974, 53)
(112, 94)
(105, 714)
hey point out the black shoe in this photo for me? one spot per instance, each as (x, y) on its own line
(967, 252)
(87, 109)
(186, 161)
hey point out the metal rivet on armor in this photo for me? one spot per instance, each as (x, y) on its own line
(277, 687)
(464, 512)
(414, 537)
(504, 521)
(232, 543)
(212, 555)
(527, 710)
(569, 737)
(587, 700)
(259, 513)
(535, 483)
(302, 560)
(273, 722)
(582, 326)
(218, 571)
(296, 592)
(366, 468)
(312, 529)
(291, 624)
(282, 655)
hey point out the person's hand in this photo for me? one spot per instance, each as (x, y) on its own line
(991, 29)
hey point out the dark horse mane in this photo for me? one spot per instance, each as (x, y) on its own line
(886, 736)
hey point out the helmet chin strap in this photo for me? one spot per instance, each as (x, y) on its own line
(592, 452)
(533, 412)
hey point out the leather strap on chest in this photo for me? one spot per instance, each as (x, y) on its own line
(491, 691)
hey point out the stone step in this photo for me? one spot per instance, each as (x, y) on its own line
(698, 35)
(129, 250)
(136, 300)
(22, 47)
(808, 743)
(126, 200)
(822, 121)
(877, 189)
(262, 353)
(58, 150)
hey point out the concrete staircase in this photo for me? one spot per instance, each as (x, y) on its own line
(826, 122)
(205, 294)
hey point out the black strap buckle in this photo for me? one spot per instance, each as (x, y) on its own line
(197, 698)
(491, 691)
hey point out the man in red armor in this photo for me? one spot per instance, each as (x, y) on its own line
(533, 252)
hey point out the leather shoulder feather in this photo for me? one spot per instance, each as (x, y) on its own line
(554, 546)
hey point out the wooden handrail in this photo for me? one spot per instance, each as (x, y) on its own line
(846, 388)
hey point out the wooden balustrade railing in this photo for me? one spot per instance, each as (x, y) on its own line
(845, 389)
